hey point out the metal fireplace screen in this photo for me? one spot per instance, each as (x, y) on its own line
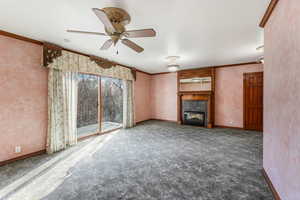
(194, 118)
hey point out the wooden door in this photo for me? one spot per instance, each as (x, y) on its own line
(253, 101)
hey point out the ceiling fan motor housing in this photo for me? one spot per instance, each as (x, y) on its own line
(118, 17)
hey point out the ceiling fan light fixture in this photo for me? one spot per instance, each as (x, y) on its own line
(172, 60)
(173, 68)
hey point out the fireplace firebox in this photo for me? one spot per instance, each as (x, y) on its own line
(194, 118)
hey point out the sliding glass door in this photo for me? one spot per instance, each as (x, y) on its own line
(100, 104)
(87, 105)
(111, 103)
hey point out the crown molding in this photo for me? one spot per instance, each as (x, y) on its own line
(268, 13)
(238, 64)
(143, 72)
(19, 37)
(160, 73)
(216, 67)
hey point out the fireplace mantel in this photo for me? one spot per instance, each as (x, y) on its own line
(196, 93)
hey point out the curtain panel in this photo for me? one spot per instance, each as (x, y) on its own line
(128, 104)
(62, 110)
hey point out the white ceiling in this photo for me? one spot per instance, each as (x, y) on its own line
(201, 32)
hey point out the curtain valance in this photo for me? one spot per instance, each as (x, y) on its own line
(66, 61)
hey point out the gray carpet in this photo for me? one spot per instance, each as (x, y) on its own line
(155, 160)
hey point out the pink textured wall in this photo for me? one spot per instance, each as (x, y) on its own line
(164, 96)
(229, 94)
(282, 99)
(23, 98)
(142, 97)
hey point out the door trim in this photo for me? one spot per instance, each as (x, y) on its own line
(244, 97)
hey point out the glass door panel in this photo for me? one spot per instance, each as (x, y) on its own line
(111, 103)
(87, 107)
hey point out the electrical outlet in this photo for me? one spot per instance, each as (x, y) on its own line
(18, 149)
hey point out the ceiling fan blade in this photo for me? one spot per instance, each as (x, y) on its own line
(140, 33)
(107, 44)
(132, 45)
(86, 32)
(104, 19)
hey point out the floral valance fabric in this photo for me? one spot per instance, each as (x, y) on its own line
(72, 62)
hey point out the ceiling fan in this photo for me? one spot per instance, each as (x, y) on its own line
(115, 20)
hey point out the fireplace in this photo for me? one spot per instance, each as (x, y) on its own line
(194, 112)
(194, 118)
(196, 88)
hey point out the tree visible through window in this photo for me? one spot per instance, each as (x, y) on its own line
(87, 105)
(112, 103)
(88, 109)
